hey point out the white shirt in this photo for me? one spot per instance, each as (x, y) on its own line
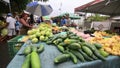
(11, 22)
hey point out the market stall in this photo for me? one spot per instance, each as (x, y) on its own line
(67, 48)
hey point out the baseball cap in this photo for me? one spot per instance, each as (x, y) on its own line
(9, 14)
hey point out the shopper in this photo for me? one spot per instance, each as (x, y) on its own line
(10, 25)
(63, 21)
(17, 24)
(25, 24)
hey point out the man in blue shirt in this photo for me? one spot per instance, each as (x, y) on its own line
(63, 21)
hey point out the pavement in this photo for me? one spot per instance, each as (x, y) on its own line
(4, 54)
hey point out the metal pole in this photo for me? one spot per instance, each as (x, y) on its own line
(9, 7)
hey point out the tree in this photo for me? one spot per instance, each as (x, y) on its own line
(19, 5)
(16, 5)
(43, 0)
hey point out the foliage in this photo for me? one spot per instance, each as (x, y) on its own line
(96, 17)
(16, 5)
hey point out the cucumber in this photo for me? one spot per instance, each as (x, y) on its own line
(34, 48)
(87, 50)
(73, 57)
(41, 48)
(97, 45)
(69, 41)
(61, 58)
(74, 37)
(62, 44)
(26, 63)
(54, 37)
(49, 42)
(74, 46)
(81, 40)
(94, 50)
(99, 56)
(35, 60)
(27, 50)
(61, 48)
(94, 57)
(85, 55)
(92, 47)
(103, 53)
(78, 55)
(57, 41)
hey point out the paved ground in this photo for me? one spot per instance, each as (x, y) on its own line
(4, 56)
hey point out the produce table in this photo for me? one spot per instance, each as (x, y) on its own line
(50, 52)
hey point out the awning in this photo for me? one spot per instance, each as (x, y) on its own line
(78, 9)
(107, 7)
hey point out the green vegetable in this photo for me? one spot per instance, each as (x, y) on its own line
(81, 40)
(94, 57)
(99, 55)
(69, 41)
(97, 45)
(92, 47)
(41, 48)
(26, 63)
(35, 60)
(103, 53)
(4, 32)
(78, 55)
(57, 41)
(27, 50)
(49, 42)
(60, 48)
(87, 50)
(34, 48)
(73, 57)
(62, 44)
(74, 37)
(74, 46)
(61, 58)
(85, 55)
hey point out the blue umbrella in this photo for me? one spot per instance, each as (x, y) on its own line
(38, 8)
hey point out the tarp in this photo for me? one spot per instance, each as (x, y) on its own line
(50, 52)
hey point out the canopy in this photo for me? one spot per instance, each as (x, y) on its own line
(107, 7)
(71, 15)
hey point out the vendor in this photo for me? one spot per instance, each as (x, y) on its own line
(25, 25)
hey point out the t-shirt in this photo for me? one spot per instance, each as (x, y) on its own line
(11, 22)
(63, 21)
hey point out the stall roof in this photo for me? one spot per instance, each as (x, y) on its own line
(107, 7)
(77, 9)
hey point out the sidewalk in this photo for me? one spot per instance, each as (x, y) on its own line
(4, 56)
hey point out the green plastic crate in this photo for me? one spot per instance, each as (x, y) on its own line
(14, 45)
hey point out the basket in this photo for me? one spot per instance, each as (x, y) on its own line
(14, 45)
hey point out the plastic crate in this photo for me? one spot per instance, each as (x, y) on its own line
(14, 45)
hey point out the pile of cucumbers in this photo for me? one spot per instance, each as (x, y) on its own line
(32, 59)
(75, 48)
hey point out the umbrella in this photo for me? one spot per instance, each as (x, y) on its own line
(107, 7)
(39, 8)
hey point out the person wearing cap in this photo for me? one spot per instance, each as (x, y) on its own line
(11, 25)
(63, 21)
(25, 23)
